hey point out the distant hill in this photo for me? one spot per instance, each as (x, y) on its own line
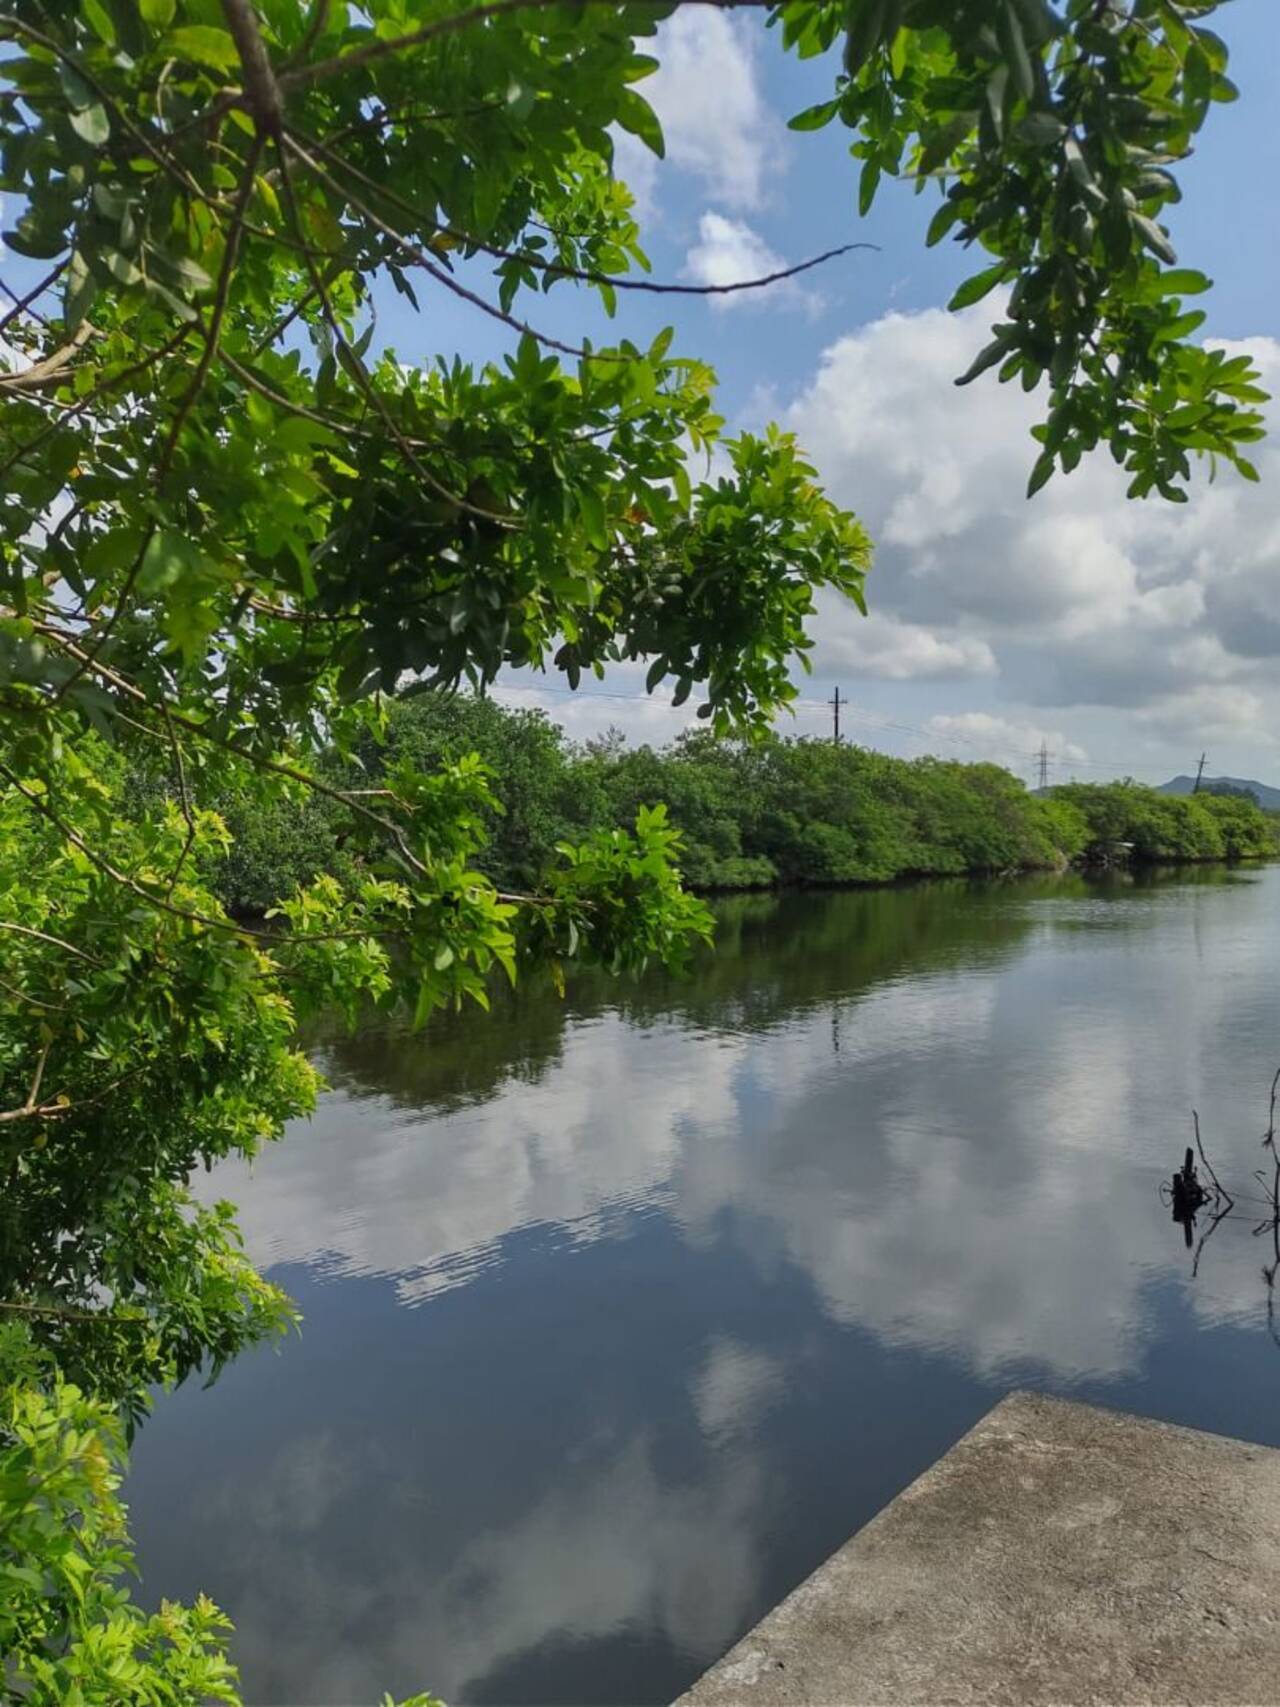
(1267, 796)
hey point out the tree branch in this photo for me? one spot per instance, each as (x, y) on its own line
(262, 92)
(555, 269)
(56, 941)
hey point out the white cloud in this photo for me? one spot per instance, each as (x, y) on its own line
(620, 701)
(729, 251)
(715, 120)
(1007, 741)
(1080, 598)
(897, 651)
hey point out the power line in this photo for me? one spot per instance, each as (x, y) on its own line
(810, 707)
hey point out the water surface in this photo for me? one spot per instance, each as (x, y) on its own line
(623, 1312)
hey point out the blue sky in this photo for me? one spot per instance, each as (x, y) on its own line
(1128, 637)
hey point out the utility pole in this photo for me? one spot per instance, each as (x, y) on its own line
(1042, 762)
(1199, 773)
(834, 703)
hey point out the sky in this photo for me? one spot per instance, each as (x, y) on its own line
(1127, 637)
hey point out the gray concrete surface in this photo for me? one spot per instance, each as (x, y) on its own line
(1058, 1553)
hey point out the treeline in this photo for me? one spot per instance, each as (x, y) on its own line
(754, 815)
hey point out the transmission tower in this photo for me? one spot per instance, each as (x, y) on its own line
(834, 703)
(1042, 763)
(1199, 773)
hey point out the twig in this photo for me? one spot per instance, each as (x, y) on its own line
(341, 797)
(556, 269)
(314, 30)
(49, 371)
(1218, 1185)
(56, 941)
(183, 796)
(92, 397)
(104, 865)
(30, 1001)
(64, 1312)
(262, 92)
(22, 304)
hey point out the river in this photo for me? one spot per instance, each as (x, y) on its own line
(621, 1313)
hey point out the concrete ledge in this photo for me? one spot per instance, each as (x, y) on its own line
(1058, 1553)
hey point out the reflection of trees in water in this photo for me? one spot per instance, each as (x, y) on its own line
(776, 956)
(456, 1060)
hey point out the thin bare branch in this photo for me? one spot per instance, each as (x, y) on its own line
(556, 269)
(92, 397)
(1208, 1165)
(64, 1313)
(353, 800)
(184, 798)
(314, 30)
(23, 304)
(30, 1001)
(54, 941)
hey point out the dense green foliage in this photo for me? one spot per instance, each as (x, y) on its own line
(753, 814)
(1171, 826)
(232, 527)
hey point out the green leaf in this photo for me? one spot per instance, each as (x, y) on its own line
(942, 222)
(79, 92)
(995, 352)
(1013, 43)
(1042, 129)
(814, 118)
(79, 291)
(100, 20)
(591, 509)
(171, 557)
(157, 13)
(1180, 281)
(1153, 237)
(91, 124)
(637, 116)
(203, 44)
(1041, 473)
(975, 288)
